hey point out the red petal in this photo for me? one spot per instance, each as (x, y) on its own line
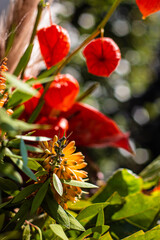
(59, 126)
(54, 44)
(32, 103)
(102, 56)
(148, 7)
(91, 128)
(62, 92)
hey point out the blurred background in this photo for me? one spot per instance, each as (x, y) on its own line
(131, 95)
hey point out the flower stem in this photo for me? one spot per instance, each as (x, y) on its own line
(66, 60)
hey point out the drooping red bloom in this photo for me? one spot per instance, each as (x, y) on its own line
(148, 7)
(91, 128)
(54, 44)
(62, 92)
(102, 56)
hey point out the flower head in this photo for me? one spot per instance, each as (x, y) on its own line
(61, 159)
(102, 56)
(54, 44)
(148, 7)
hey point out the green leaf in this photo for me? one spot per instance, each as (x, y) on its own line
(100, 229)
(2, 205)
(100, 222)
(74, 223)
(123, 181)
(79, 184)
(31, 148)
(88, 213)
(34, 165)
(55, 210)
(23, 151)
(79, 205)
(58, 231)
(40, 80)
(57, 184)
(90, 90)
(10, 235)
(19, 163)
(33, 138)
(8, 186)
(26, 233)
(136, 236)
(139, 210)
(26, 192)
(12, 126)
(152, 171)
(10, 39)
(17, 98)
(38, 199)
(17, 112)
(2, 219)
(154, 233)
(24, 60)
(106, 236)
(48, 72)
(20, 85)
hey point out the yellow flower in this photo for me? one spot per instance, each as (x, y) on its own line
(61, 159)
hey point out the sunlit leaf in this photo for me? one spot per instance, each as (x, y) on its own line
(106, 236)
(57, 184)
(33, 138)
(26, 233)
(100, 222)
(74, 223)
(58, 231)
(79, 184)
(100, 229)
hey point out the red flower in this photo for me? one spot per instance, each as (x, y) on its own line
(148, 7)
(54, 44)
(59, 127)
(62, 92)
(102, 56)
(89, 127)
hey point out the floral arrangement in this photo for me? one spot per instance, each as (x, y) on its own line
(43, 178)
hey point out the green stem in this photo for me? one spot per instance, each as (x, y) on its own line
(84, 43)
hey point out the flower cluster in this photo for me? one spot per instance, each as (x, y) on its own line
(61, 159)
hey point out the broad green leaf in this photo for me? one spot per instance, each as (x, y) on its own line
(152, 171)
(100, 222)
(106, 236)
(13, 126)
(24, 60)
(33, 138)
(136, 236)
(79, 205)
(26, 233)
(8, 186)
(58, 231)
(26, 192)
(19, 163)
(79, 184)
(57, 184)
(100, 229)
(123, 181)
(17, 98)
(18, 84)
(74, 223)
(40, 80)
(39, 196)
(154, 233)
(139, 210)
(55, 210)
(23, 151)
(17, 112)
(88, 213)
